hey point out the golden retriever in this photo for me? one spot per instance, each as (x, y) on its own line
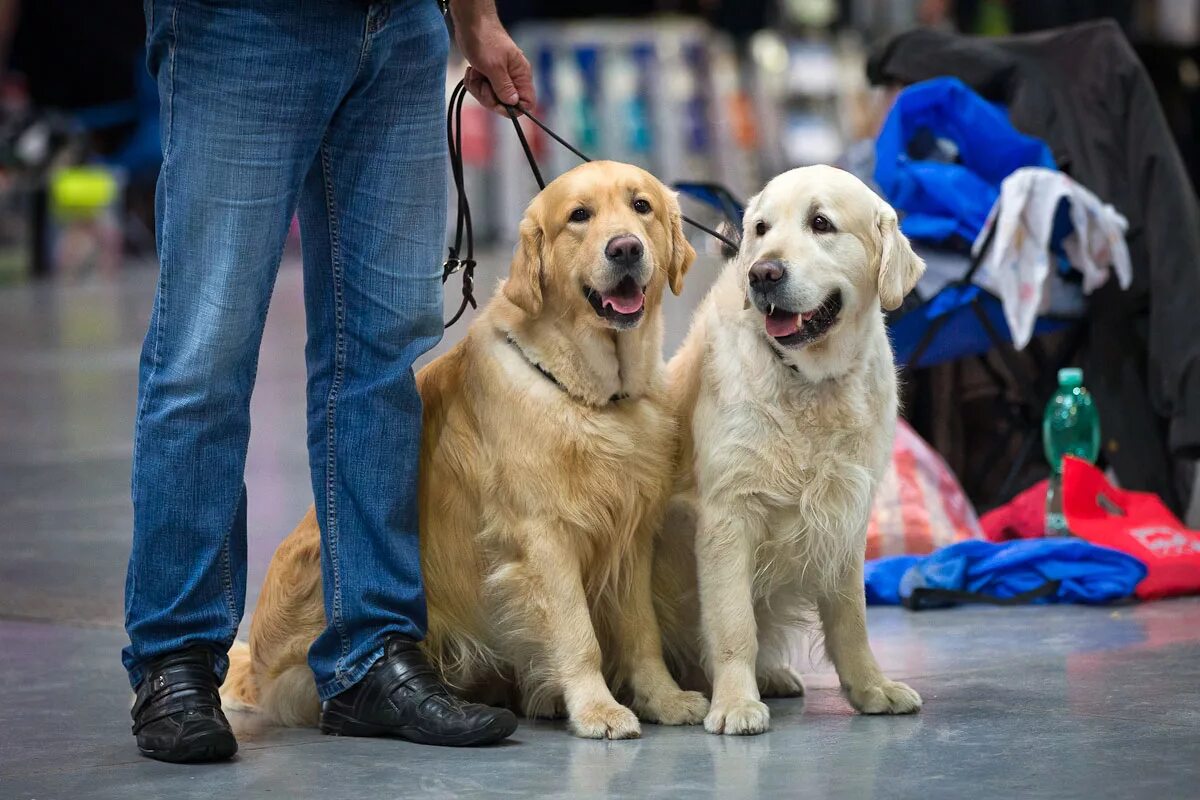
(785, 393)
(546, 463)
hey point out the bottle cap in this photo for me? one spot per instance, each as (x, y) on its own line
(1070, 377)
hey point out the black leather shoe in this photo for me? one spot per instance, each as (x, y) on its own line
(177, 714)
(402, 696)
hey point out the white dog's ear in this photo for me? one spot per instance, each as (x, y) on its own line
(524, 284)
(682, 253)
(899, 268)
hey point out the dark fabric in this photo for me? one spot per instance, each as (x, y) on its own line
(1168, 67)
(1082, 90)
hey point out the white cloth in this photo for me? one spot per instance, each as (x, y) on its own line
(1064, 298)
(1017, 264)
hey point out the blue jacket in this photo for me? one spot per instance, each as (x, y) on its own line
(939, 198)
(1085, 573)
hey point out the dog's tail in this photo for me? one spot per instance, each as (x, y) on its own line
(240, 690)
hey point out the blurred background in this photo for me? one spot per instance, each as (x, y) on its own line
(724, 92)
(714, 90)
(715, 97)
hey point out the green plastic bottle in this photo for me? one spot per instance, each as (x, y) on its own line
(1070, 426)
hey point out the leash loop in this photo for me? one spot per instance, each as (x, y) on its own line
(456, 260)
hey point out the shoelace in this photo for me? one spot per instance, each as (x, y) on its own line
(457, 261)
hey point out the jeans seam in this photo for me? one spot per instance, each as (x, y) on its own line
(167, 151)
(227, 574)
(339, 362)
(160, 303)
(366, 45)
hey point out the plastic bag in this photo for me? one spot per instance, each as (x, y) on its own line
(919, 505)
(1137, 523)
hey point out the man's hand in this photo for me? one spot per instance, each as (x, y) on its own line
(498, 74)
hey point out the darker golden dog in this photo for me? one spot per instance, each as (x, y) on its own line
(546, 465)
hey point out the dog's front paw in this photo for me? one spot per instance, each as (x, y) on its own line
(605, 720)
(888, 697)
(780, 682)
(738, 717)
(673, 707)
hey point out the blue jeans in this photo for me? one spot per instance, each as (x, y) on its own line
(332, 109)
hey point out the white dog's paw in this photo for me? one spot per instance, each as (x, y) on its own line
(673, 707)
(739, 717)
(606, 720)
(780, 682)
(889, 697)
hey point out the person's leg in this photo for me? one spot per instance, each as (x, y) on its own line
(372, 223)
(246, 92)
(372, 220)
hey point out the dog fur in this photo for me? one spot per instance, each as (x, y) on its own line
(782, 447)
(539, 502)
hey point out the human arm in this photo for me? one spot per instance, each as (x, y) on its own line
(499, 74)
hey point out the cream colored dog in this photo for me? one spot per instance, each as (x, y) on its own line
(786, 396)
(546, 464)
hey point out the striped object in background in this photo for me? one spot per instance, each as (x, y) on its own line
(919, 505)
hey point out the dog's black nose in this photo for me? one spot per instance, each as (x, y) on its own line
(624, 250)
(766, 273)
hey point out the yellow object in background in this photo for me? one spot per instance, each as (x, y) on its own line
(85, 233)
(83, 191)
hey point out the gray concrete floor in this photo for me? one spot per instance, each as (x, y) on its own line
(1029, 702)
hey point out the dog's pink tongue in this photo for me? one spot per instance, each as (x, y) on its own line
(782, 324)
(623, 303)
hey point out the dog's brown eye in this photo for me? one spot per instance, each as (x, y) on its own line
(580, 215)
(761, 228)
(641, 206)
(821, 224)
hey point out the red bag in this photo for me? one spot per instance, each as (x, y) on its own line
(1023, 517)
(1136, 523)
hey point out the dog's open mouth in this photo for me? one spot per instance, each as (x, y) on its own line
(795, 328)
(623, 304)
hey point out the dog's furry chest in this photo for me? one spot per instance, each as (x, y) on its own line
(805, 459)
(817, 506)
(620, 462)
(597, 478)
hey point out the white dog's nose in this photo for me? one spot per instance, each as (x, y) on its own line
(766, 273)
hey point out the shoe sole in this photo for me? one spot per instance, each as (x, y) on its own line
(334, 724)
(202, 749)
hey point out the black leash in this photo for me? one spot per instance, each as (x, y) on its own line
(514, 112)
(456, 261)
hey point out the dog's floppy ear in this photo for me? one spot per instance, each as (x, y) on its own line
(524, 284)
(899, 268)
(682, 253)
